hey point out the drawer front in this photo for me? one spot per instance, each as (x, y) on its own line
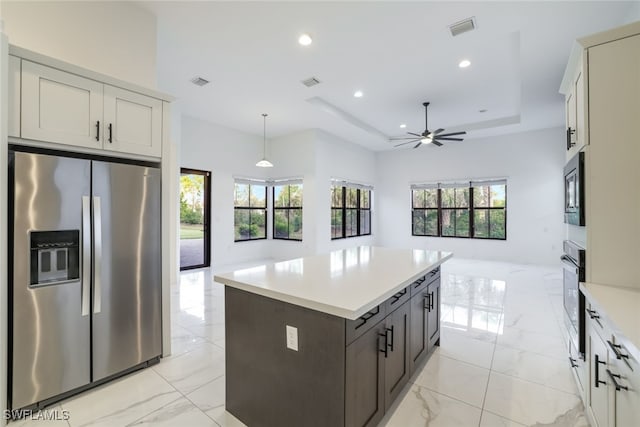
(422, 283)
(355, 328)
(398, 299)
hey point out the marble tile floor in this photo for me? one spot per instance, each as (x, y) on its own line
(502, 360)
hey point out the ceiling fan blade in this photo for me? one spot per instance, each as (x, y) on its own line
(401, 138)
(415, 134)
(404, 143)
(435, 142)
(453, 133)
(437, 131)
(448, 139)
(418, 144)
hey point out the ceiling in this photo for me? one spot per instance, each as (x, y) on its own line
(399, 54)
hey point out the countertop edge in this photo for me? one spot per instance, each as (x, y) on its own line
(615, 328)
(324, 308)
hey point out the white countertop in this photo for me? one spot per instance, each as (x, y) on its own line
(621, 307)
(345, 283)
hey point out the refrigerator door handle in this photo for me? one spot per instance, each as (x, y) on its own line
(86, 254)
(97, 255)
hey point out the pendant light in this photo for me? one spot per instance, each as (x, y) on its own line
(264, 163)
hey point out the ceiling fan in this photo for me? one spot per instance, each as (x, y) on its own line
(428, 137)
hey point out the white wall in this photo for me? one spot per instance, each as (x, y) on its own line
(533, 164)
(113, 38)
(337, 158)
(226, 153)
(295, 156)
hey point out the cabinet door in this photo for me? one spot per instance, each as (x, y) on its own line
(133, 122)
(60, 107)
(396, 365)
(418, 338)
(364, 387)
(580, 135)
(571, 116)
(14, 96)
(433, 321)
(627, 394)
(598, 395)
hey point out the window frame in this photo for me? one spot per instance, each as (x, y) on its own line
(470, 209)
(358, 210)
(285, 208)
(252, 208)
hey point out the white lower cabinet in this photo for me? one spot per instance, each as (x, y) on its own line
(624, 378)
(579, 369)
(613, 389)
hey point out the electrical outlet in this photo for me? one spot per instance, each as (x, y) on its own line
(292, 337)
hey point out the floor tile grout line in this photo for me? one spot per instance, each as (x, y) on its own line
(157, 409)
(536, 383)
(457, 399)
(493, 355)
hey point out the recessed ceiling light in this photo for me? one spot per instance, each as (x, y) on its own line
(484, 110)
(464, 63)
(305, 39)
(358, 94)
(402, 126)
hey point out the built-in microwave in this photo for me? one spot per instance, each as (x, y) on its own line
(574, 190)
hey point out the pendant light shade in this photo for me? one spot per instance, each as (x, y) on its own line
(264, 163)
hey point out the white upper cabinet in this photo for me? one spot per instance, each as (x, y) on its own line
(63, 104)
(60, 107)
(133, 122)
(14, 96)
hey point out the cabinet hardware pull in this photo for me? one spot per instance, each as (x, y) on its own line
(431, 301)
(615, 348)
(615, 382)
(427, 302)
(597, 376)
(386, 340)
(368, 315)
(98, 130)
(573, 362)
(570, 132)
(595, 316)
(384, 347)
(398, 295)
(110, 132)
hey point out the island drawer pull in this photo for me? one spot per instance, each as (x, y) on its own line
(419, 281)
(398, 295)
(434, 272)
(368, 315)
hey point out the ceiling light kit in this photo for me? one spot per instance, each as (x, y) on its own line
(264, 163)
(358, 94)
(428, 137)
(305, 39)
(402, 126)
(199, 81)
(464, 63)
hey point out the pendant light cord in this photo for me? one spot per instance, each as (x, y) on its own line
(264, 136)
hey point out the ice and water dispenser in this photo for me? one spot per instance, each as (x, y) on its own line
(55, 257)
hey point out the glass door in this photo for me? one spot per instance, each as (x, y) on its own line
(195, 207)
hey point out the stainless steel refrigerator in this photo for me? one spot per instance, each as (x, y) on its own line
(85, 273)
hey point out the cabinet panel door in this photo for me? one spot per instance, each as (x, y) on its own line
(627, 400)
(418, 338)
(433, 321)
(396, 365)
(14, 96)
(598, 381)
(364, 388)
(60, 107)
(579, 106)
(133, 122)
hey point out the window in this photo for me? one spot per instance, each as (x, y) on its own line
(287, 212)
(250, 211)
(476, 210)
(350, 211)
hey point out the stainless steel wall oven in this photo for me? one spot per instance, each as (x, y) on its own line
(573, 262)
